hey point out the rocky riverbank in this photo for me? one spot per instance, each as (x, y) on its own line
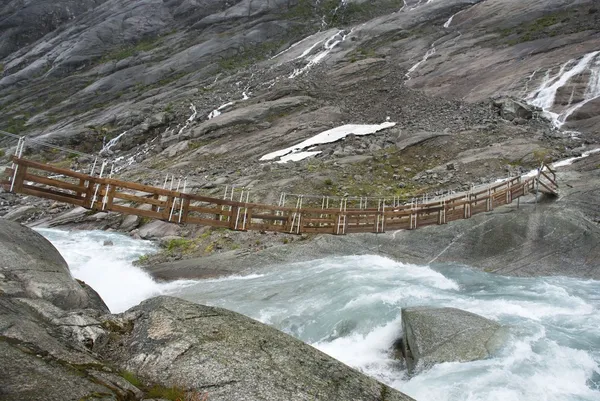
(533, 237)
(58, 341)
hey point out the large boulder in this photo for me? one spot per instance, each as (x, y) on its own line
(202, 348)
(49, 326)
(31, 267)
(511, 109)
(436, 335)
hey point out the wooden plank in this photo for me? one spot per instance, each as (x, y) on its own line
(308, 220)
(270, 217)
(322, 230)
(207, 222)
(186, 211)
(44, 193)
(551, 190)
(209, 210)
(553, 181)
(49, 168)
(81, 185)
(136, 212)
(54, 183)
(111, 197)
(89, 193)
(138, 199)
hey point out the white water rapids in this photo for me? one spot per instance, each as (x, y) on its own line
(349, 307)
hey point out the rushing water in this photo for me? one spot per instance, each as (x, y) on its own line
(108, 269)
(349, 307)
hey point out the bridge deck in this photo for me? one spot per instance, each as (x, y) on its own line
(108, 194)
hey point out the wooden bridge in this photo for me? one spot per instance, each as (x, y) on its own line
(108, 194)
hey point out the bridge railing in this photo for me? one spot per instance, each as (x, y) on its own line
(109, 194)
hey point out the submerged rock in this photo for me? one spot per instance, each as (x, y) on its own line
(436, 335)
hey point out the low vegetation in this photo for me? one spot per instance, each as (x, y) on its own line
(564, 22)
(173, 393)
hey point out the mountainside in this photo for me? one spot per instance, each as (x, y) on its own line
(207, 88)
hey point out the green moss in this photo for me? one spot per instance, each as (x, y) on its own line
(133, 49)
(16, 125)
(180, 245)
(131, 378)
(563, 22)
(210, 248)
(174, 393)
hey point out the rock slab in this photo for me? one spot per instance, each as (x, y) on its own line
(231, 356)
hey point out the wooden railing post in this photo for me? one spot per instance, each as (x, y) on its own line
(19, 178)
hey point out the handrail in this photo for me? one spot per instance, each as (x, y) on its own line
(110, 194)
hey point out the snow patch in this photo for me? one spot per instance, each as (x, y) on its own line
(294, 157)
(329, 136)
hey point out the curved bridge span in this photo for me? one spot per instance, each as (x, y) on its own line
(107, 194)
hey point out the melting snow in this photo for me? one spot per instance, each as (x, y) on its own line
(329, 136)
(294, 157)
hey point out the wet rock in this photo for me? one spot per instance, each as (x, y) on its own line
(158, 229)
(21, 213)
(107, 243)
(199, 347)
(436, 335)
(130, 222)
(33, 268)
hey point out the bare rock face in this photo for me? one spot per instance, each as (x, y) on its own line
(50, 325)
(31, 267)
(227, 354)
(437, 335)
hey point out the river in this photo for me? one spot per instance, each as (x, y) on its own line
(349, 308)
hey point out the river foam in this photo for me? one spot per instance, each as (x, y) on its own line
(349, 308)
(109, 269)
(553, 352)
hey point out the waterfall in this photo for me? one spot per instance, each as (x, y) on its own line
(112, 143)
(429, 53)
(330, 43)
(190, 119)
(545, 95)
